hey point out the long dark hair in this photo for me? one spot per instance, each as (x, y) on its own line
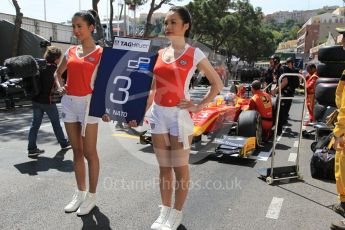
(88, 16)
(185, 16)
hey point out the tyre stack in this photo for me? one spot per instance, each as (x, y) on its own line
(330, 69)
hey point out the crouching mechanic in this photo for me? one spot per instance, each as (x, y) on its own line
(262, 103)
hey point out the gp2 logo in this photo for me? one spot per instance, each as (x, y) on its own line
(142, 63)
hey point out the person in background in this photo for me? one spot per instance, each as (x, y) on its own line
(261, 102)
(293, 81)
(42, 103)
(289, 66)
(273, 72)
(276, 70)
(311, 85)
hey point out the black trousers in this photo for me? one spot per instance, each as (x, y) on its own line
(285, 106)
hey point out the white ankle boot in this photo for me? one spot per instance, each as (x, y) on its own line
(163, 217)
(174, 220)
(78, 198)
(88, 204)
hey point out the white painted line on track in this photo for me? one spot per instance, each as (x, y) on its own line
(283, 131)
(295, 144)
(263, 156)
(274, 208)
(292, 157)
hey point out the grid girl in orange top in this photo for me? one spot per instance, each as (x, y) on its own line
(171, 123)
(81, 63)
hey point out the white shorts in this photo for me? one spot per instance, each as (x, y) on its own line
(75, 109)
(166, 120)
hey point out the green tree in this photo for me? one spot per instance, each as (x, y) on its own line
(234, 27)
(252, 40)
(284, 31)
(293, 32)
(212, 22)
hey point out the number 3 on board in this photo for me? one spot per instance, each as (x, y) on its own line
(124, 90)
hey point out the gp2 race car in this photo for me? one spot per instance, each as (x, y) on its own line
(231, 126)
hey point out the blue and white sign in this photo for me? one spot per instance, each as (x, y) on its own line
(123, 84)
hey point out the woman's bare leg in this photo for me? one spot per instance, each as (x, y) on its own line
(74, 135)
(162, 150)
(90, 153)
(180, 162)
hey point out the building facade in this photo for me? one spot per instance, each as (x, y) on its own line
(316, 31)
(287, 47)
(297, 15)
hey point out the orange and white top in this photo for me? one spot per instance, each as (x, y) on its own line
(81, 71)
(173, 78)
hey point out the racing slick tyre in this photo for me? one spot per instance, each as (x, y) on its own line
(249, 125)
(327, 80)
(313, 146)
(197, 142)
(325, 94)
(319, 111)
(330, 70)
(331, 54)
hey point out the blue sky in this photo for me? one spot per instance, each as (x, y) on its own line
(62, 10)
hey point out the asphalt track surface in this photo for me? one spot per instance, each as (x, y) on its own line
(226, 192)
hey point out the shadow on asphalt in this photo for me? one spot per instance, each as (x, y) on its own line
(281, 183)
(42, 164)
(95, 220)
(289, 133)
(307, 198)
(234, 160)
(326, 181)
(282, 147)
(181, 227)
(147, 149)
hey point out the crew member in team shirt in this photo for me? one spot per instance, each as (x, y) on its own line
(261, 102)
(311, 86)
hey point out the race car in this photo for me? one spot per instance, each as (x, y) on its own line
(226, 121)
